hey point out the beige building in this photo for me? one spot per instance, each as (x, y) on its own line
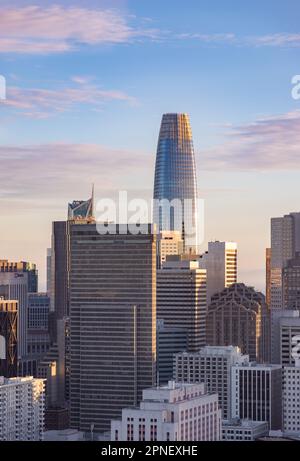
(168, 243)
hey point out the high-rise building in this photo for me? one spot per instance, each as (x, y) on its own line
(48, 269)
(268, 276)
(291, 398)
(175, 412)
(291, 283)
(81, 209)
(21, 409)
(8, 338)
(168, 243)
(285, 243)
(169, 341)
(285, 325)
(38, 340)
(112, 322)
(181, 299)
(257, 393)
(220, 262)
(175, 180)
(17, 279)
(239, 316)
(211, 366)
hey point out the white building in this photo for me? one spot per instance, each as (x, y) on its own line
(176, 412)
(291, 398)
(210, 365)
(181, 299)
(244, 430)
(285, 324)
(22, 408)
(168, 243)
(257, 393)
(220, 262)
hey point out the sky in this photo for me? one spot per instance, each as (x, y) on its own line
(88, 81)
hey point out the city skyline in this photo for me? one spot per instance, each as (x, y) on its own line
(68, 95)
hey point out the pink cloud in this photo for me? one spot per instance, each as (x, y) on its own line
(42, 103)
(270, 143)
(34, 29)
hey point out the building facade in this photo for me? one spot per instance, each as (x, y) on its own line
(211, 365)
(17, 279)
(181, 299)
(257, 393)
(291, 398)
(175, 180)
(9, 338)
(239, 316)
(244, 430)
(168, 243)
(21, 409)
(220, 262)
(112, 322)
(175, 412)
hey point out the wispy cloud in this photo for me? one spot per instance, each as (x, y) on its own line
(276, 40)
(59, 170)
(270, 143)
(42, 103)
(34, 29)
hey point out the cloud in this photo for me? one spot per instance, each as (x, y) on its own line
(52, 173)
(42, 103)
(38, 30)
(270, 143)
(279, 40)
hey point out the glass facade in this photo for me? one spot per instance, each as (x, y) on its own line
(175, 185)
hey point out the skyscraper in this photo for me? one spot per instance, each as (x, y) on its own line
(238, 316)
(181, 299)
(175, 180)
(8, 337)
(285, 244)
(220, 262)
(17, 279)
(112, 322)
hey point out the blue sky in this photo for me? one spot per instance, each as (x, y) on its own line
(87, 83)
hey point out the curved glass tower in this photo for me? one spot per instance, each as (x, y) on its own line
(175, 184)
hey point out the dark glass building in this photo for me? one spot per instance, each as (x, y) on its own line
(8, 338)
(175, 185)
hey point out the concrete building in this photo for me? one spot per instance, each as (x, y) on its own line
(169, 341)
(175, 412)
(211, 366)
(257, 393)
(285, 243)
(112, 322)
(239, 316)
(64, 435)
(21, 409)
(8, 338)
(38, 339)
(291, 398)
(17, 279)
(243, 430)
(220, 262)
(168, 243)
(285, 324)
(291, 283)
(181, 299)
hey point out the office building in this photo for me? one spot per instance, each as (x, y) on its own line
(175, 412)
(239, 316)
(285, 244)
(285, 325)
(243, 430)
(17, 279)
(175, 180)
(220, 262)
(21, 409)
(168, 243)
(211, 366)
(170, 340)
(257, 393)
(112, 322)
(291, 284)
(181, 299)
(291, 398)
(268, 277)
(8, 338)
